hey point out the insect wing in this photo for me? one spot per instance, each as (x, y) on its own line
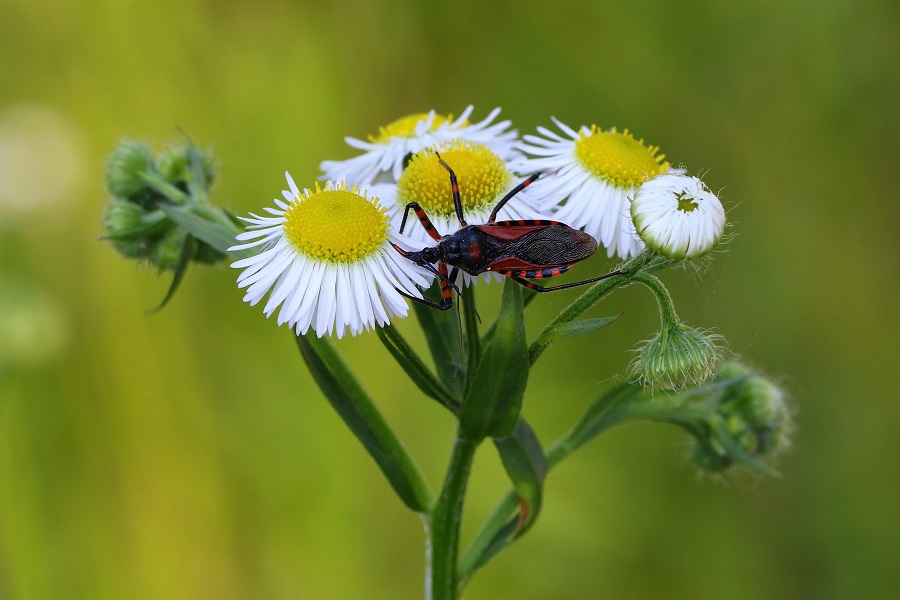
(548, 246)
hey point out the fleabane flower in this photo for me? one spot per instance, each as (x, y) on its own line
(385, 152)
(593, 175)
(483, 178)
(326, 259)
(678, 216)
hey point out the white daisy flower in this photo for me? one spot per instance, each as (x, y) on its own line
(326, 258)
(386, 152)
(678, 216)
(593, 174)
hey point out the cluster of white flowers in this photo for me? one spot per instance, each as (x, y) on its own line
(327, 257)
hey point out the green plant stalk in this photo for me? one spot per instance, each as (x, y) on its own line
(443, 582)
(667, 315)
(645, 262)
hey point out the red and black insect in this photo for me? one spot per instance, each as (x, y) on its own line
(521, 249)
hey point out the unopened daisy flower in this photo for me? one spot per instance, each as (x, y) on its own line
(326, 259)
(676, 357)
(483, 178)
(678, 216)
(386, 151)
(593, 176)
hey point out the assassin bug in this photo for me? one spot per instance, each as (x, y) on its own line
(520, 249)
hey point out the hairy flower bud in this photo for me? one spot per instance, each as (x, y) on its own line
(124, 168)
(175, 165)
(138, 219)
(676, 357)
(753, 421)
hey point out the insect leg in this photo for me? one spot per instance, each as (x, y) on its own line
(538, 288)
(454, 187)
(423, 219)
(512, 193)
(447, 287)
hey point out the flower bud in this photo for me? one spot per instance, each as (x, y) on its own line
(133, 230)
(764, 421)
(751, 413)
(677, 216)
(124, 168)
(677, 357)
(175, 166)
(166, 253)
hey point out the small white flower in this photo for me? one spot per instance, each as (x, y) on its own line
(326, 258)
(591, 177)
(678, 216)
(386, 152)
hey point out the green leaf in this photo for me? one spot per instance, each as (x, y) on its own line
(523, 459)
(494, 398)
(357, 410)
(188, 247)
(495, 535)
(410, 362)
(567, 330)
(442, 332)
(220, 233)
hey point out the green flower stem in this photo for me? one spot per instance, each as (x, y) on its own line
(446, 520)
(645, 262)
(415, 367)
(667, 315)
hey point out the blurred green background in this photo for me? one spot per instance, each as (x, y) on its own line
(188, 454)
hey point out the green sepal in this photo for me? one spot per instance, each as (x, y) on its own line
(441, 329)
(219, 233)
(347, 396)
(188, 248)
(410, 362)
(494, 397)
(567, 330)
(523, 459)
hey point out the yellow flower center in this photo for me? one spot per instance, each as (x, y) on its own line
(619, 158)
(481, 174)
(406, 127)
(336, 225)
